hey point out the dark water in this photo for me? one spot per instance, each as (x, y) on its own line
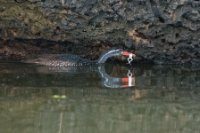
(35, 99)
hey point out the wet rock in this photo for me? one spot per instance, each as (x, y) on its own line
(158, 31)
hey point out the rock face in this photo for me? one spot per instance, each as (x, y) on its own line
(158, 31)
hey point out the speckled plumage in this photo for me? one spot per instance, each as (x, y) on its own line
(61, 60)
(65, 60)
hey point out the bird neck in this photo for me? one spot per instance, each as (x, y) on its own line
(108, 54)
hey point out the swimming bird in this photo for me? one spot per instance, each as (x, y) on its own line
(65, 60)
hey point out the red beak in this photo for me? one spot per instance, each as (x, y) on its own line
(126, 54)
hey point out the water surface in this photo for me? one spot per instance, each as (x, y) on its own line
(159, 99)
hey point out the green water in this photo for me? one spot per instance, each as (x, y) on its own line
(35, 99)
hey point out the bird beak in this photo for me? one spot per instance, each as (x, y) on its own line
(128, 54)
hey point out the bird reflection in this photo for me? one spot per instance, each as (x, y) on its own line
(112, 81)
(112, 76)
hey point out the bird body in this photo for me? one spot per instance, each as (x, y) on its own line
(65, 60)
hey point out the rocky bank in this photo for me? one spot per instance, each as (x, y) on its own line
(158, 31)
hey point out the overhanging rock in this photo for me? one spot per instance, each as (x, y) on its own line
(158, 31)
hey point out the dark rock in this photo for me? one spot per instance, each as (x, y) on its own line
(158, 31)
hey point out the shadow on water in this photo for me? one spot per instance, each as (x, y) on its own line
(107, 98)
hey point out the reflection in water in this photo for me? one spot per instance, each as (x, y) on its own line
(164, 99)
(69, 76)
(116, 82)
